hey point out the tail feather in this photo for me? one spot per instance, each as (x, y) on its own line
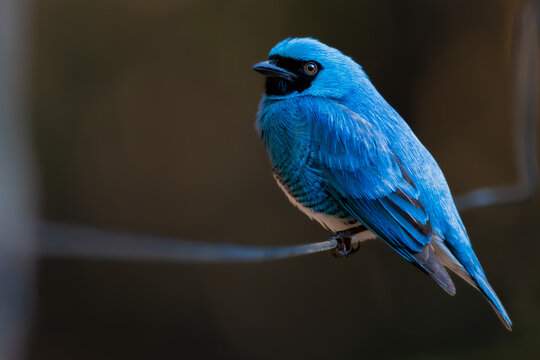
(475, 276)
(493, 300)
(428, 262)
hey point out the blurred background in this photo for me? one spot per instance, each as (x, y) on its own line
(141, 119)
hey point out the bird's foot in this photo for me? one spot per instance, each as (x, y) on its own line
(345, 246)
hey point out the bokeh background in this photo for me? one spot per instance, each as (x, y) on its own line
(142, 120)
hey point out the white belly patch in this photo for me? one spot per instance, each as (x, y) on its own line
(329, 222)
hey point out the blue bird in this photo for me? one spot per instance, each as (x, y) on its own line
(346, 158)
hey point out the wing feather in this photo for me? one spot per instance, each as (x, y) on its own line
(363, 174)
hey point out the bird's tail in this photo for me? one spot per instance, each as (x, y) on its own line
(486, 290)
(469, 269)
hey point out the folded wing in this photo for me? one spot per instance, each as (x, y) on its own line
(368, 181)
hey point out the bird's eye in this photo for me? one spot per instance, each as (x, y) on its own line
(310, 68)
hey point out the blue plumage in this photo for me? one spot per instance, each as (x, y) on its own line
(345, 158)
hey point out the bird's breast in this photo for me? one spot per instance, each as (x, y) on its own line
(292, 151)
(323, 210)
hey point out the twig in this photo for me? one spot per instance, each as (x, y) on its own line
(60, 240)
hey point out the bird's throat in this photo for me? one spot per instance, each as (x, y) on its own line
(280, 86)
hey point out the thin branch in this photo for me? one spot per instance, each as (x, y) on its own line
(60, 240)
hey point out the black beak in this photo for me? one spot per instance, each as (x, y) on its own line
(268, 68)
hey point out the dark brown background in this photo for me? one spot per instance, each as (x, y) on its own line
(142, 116)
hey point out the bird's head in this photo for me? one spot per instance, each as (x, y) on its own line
(305, 66)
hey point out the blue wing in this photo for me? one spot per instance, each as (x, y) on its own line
(365, 177)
